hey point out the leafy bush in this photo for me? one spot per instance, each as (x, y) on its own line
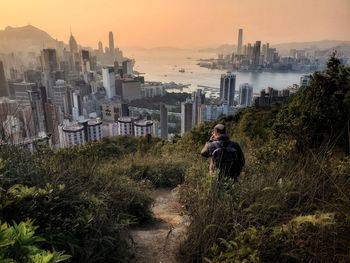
(77, 206)
(19, 244)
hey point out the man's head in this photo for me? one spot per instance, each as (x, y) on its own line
(218, 130)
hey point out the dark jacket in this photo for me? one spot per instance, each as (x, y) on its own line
(221, 141)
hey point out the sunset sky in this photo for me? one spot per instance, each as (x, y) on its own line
(180, 23)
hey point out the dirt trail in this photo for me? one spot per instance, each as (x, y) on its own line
(159, 242)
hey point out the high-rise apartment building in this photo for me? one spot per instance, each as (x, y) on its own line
(80, 132)
(108, 77)
(186, 116)
(163, 121)
(143, 127)
(227, 88)
(4, 91)
(245, 94)
(198, 98)
(125, 126)
(240, 41)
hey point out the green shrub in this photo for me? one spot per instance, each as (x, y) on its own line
(18, 243)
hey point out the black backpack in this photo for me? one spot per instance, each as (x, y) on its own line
(226, 159)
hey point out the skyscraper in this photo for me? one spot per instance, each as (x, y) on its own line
(227, 88)
(186, 116)
(73, 45)
(37, 110)
(108, 77)
(163, 121)
(245, 94)
(198, 98)
(240, 41)
(4, 91)
(256, 54)
(49, 66)
(100, 47)
(111, 45)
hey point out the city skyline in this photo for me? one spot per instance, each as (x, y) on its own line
(183, 23)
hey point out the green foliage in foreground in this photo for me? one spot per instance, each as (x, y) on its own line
(18, 243)
(292, 201)
(84, 199)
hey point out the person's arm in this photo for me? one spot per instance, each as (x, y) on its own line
(205, 151)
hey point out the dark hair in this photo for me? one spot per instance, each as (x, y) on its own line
(220, 128)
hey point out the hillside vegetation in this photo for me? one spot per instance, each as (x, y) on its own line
(291, 203)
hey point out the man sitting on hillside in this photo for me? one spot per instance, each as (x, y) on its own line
(227, 157)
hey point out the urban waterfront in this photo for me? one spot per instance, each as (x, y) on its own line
(164, 66)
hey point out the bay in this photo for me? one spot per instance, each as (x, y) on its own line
(163, 65)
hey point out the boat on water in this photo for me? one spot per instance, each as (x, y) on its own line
(182, 70)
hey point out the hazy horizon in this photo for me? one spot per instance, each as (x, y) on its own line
(184, 23)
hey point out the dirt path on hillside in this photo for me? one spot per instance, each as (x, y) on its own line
(159, 241)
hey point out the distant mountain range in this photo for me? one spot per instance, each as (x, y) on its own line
(29, 38)
(26, 38)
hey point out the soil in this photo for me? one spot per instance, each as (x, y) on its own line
(160, 240)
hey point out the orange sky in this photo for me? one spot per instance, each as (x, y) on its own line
(152, 23)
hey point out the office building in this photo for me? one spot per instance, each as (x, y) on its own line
(256, 54)
(186, 116)
(227, 88)
(111, 46)
(85, 61)
(49, 67)
(240, 41)
(36, 104)
(73, 45)
(163, 121)
(108, 77)
(4, 91)
(62, 97)
(127, 68)
(131, 89)
(245, 95)
(100, 47)
(20, 91)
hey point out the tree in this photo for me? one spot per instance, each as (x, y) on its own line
(320, 112)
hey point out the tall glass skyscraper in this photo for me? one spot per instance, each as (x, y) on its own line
(227, 88)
